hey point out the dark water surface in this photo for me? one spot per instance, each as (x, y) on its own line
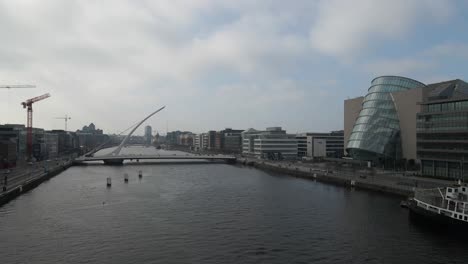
(211, 213)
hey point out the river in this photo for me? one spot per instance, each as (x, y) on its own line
(211, 213)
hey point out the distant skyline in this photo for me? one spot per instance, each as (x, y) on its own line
(218, 64)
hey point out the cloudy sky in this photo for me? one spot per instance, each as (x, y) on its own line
(217, 64)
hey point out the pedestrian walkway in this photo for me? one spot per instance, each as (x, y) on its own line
(11, 179)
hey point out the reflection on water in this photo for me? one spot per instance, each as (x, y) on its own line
(210, 213)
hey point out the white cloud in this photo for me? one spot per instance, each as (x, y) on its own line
(110, 62)
(345, 28)
(405, 66)
(448, 50)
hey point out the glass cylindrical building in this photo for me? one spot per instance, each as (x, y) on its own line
(376, 132)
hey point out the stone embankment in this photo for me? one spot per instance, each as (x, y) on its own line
(22, 180)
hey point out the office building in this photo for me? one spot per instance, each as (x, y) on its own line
(232, 140)
(384, 131)
(442, 130)
(310, 144)
(272, 143)
(403, 122)
(211, 139)
(148, 135)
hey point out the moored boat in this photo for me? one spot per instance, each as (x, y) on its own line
(448, 205)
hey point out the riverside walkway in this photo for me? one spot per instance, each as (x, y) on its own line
(15, 181)
(385, 181)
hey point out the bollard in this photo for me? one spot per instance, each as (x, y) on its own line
(109, 182)
(126, 177)
(140, 174)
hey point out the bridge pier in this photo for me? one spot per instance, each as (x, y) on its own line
(113, 162)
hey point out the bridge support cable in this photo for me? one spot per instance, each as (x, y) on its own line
(101, 146)
(116, 151)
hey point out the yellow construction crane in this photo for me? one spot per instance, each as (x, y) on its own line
(66, 118)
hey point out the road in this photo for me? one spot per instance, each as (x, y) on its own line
(19, 175)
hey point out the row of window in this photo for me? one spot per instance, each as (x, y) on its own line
(379, 104)
(450, 106)
(380, 132)
(443, 117)
(377, 146)
(377, 126)
(445, 169)
(386, 88)
(387, 113)
(443, 128)
(276, 146)
(442, 145)
(398, 81)
(377, 96)
(442, 137)
(442, 156)
(375, 121)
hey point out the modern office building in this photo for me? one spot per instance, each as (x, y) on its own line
(148, 135)
(196, 142)
(204, 141)
(232, 140)
(272, 144)
(309, 143)
(402, 121)
(200, 141)
(186, 139)
(67, 142)
(384, 130)
(51, 142)
(442, 131)
(9, 140)
(228, 140)
(211, 139)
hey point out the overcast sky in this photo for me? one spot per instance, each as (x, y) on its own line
(217, 64)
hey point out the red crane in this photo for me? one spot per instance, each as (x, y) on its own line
(28, 104)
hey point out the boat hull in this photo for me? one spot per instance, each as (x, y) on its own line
(429, 217)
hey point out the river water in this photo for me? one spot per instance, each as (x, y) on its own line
(211, 213)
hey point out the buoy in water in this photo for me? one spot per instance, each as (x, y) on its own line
(140, 174)
(109, 182)
(126, 177)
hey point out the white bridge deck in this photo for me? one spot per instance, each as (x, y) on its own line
(157, 157)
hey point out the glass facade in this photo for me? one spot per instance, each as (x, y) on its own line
(376, 132)
(272, 144)
(442, 139)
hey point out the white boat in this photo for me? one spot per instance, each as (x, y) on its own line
(448, 205)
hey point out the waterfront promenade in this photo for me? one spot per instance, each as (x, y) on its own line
(20, 179)
(372, 179)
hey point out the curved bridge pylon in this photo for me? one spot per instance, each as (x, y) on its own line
(116, 151)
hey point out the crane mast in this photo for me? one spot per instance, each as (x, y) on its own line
(28, 104)
(66, 118)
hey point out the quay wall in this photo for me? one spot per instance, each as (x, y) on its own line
(331, 178)
(32, 183)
